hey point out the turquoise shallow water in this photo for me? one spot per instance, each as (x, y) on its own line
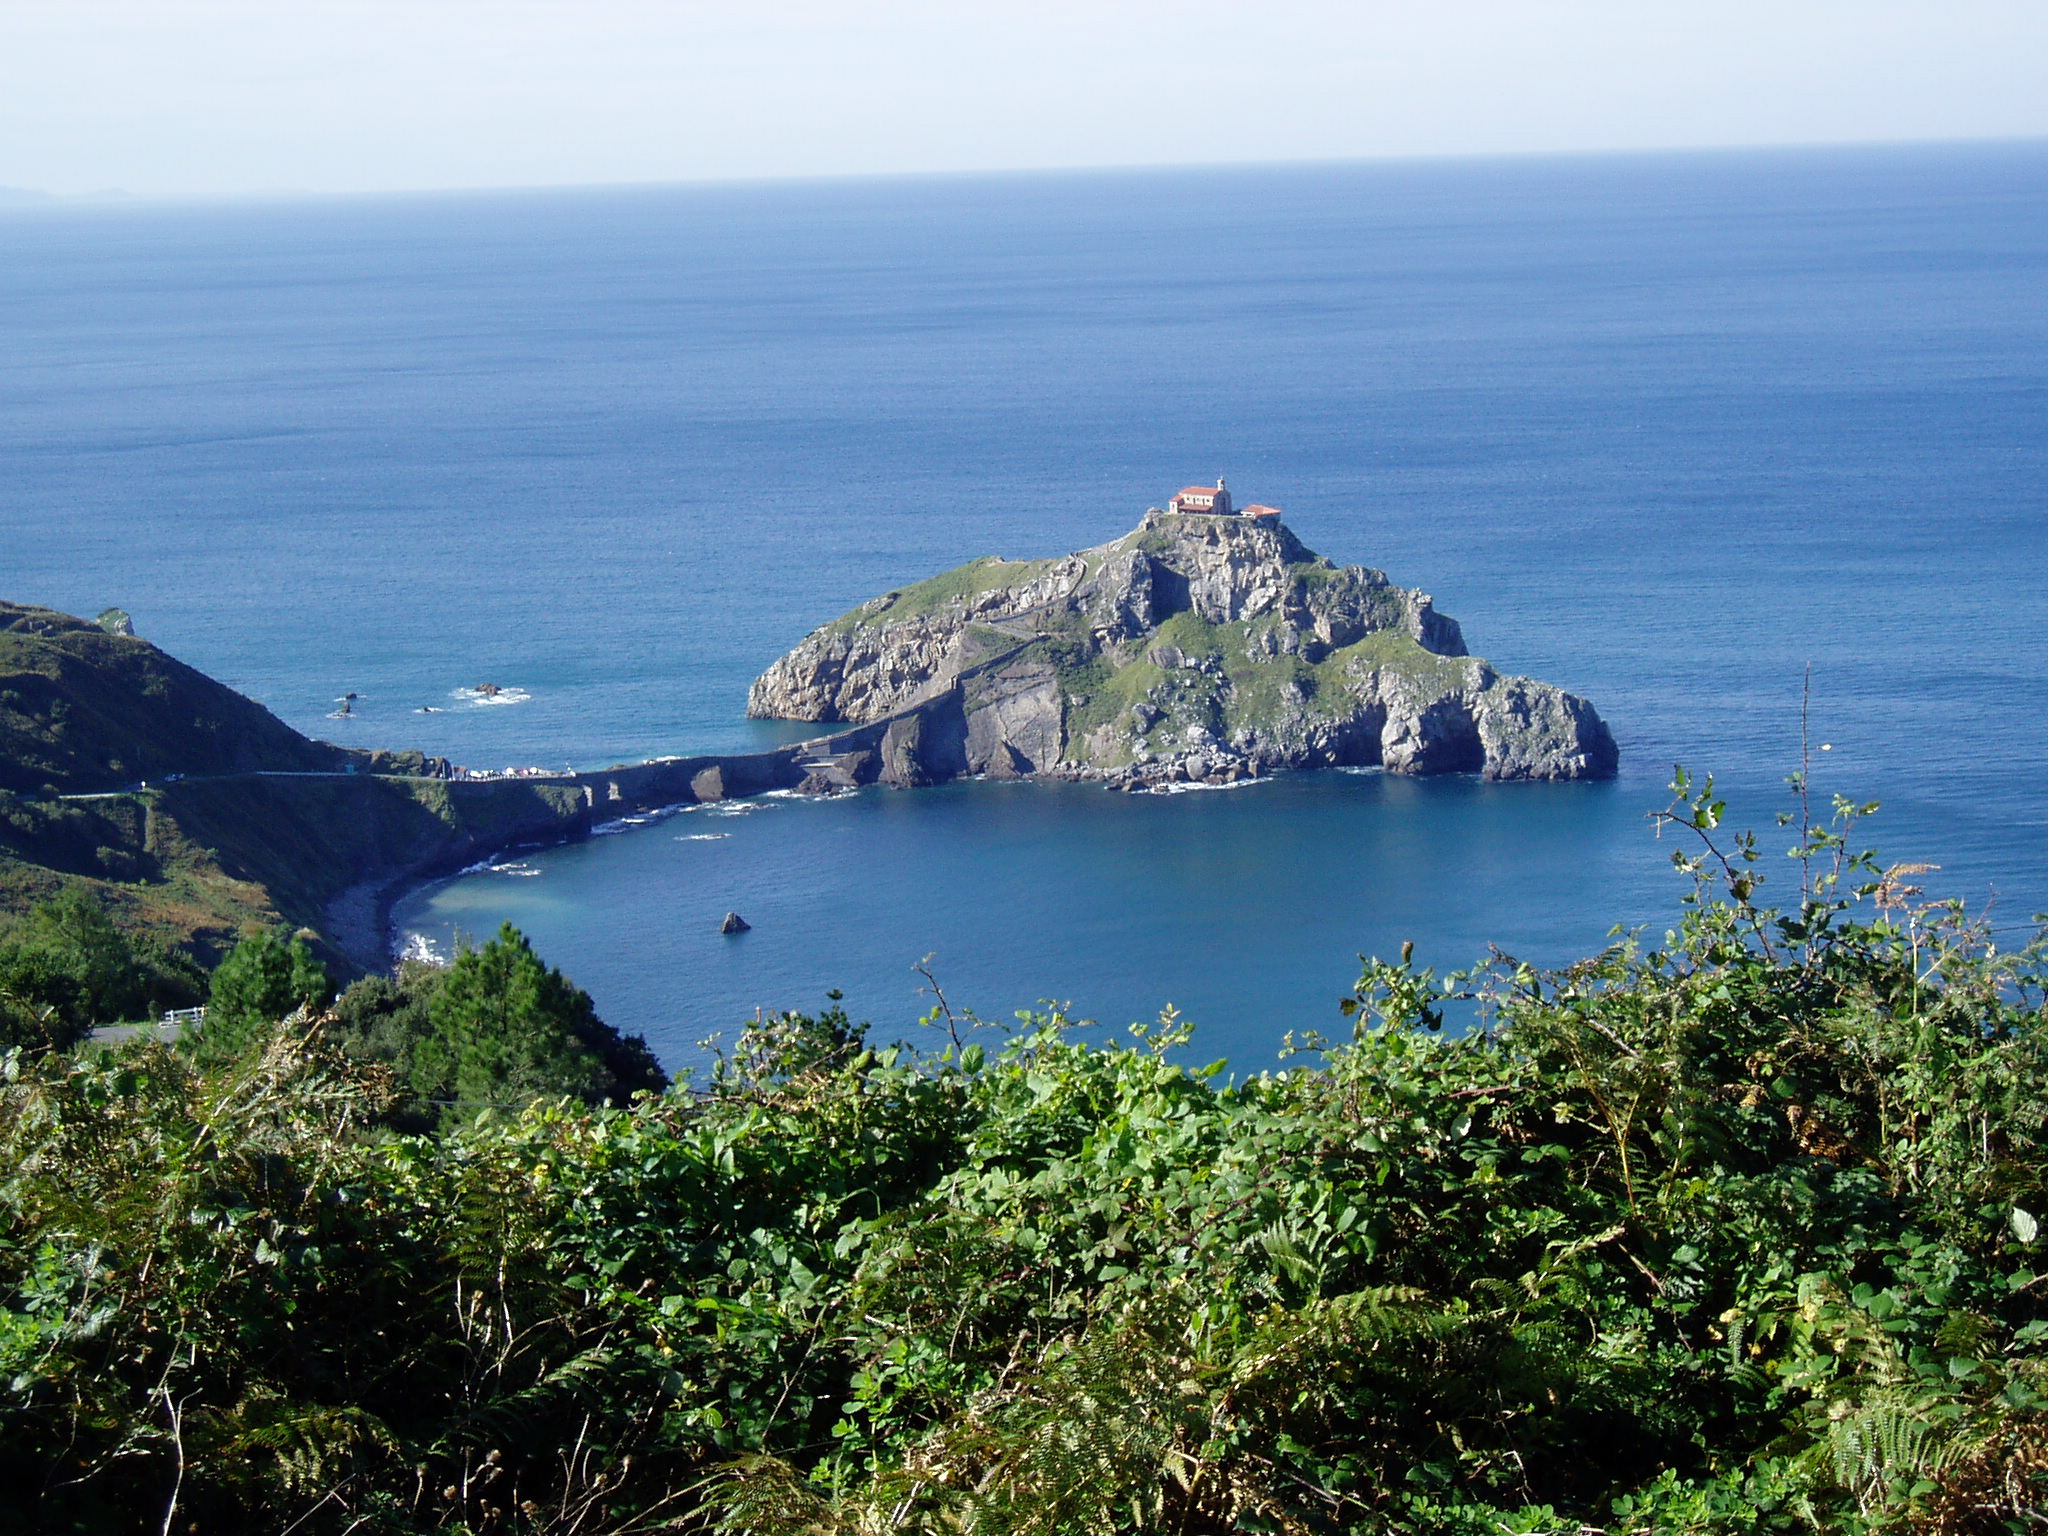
(1663, 430)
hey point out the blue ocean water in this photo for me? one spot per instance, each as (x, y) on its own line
(1665, 430)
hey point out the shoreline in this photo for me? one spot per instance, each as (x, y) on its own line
(898, 751)
(484, 820)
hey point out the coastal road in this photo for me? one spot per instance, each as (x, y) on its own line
(301, 773)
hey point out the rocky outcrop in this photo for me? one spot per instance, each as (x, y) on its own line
(1196, 648)
(903, 753)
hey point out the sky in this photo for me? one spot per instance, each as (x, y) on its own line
(236, 97)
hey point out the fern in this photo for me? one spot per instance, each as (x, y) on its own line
(310, 1445)
(766, 1496)
(1145, 1421)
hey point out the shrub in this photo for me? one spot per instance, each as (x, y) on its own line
(1737, 1230)
(495, 1030)
(266, 977)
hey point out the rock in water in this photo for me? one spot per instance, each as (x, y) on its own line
(1195, 645)
(734, 923)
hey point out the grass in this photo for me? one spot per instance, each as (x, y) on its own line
(1192, 635)
(1394, 649)
(970, 580)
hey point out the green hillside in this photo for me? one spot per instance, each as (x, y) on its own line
(84, 710)
(187, 811)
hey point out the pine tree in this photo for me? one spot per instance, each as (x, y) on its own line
(266, 977)
(508, 1028)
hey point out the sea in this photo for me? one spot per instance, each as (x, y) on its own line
(1746, 447)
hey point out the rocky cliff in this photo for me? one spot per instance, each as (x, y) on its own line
(1195, 648)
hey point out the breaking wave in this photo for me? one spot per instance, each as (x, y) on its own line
(501, 696)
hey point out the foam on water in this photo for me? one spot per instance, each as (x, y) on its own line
(1190, 788)
(500, 866)
(480, 699)
(421, 949)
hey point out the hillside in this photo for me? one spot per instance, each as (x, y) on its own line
(1197, 647)
(84, 710)
(189, 811)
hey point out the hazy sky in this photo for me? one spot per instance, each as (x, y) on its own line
(230, 96)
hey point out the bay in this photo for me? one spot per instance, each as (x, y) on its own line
(1664, 430)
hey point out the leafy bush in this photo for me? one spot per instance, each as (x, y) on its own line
(1736, 1231)
(66, 967)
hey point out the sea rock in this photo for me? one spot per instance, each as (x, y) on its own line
(1222, 645)
(708, 784)
(734, 923)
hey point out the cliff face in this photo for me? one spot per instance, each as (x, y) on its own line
(1196, 647)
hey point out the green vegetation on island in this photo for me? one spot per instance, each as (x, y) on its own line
(1738, 1230)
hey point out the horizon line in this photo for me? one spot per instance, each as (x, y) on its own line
(18, 199)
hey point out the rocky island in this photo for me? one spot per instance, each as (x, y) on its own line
(1206, 645)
